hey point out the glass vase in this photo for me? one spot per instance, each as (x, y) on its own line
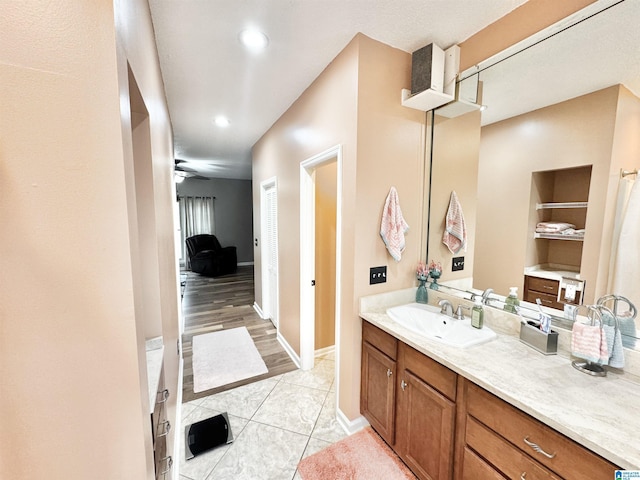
(434, 283)
(421, 293)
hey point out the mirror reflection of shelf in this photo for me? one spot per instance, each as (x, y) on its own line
(559, 236)
(546, 206)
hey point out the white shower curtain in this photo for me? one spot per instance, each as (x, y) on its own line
(626, 268)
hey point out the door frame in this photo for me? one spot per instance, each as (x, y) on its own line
(268, 310)
(307, 255)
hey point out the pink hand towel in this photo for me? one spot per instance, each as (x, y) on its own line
(455, 232)
(393, 227)
(589, 343)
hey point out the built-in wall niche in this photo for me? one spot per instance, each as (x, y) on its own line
(558, 196)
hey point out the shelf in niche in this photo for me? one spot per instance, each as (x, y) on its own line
(551, 205)
(559, 236)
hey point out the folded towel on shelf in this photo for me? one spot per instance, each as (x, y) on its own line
(614, 346)
(393, 226)
(589, 343)
(455, 231)
(574, 232)
(553, 227)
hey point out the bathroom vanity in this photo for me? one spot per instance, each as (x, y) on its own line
(496, 410)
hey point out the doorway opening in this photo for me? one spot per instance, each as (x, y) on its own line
(320, 255)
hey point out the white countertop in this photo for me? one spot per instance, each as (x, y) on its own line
(155, 353)
(551, 272)
(600, 413)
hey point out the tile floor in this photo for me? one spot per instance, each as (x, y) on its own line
(276, 422)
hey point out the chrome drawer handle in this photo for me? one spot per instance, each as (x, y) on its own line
(536, 448)
(169, 461)
(548, 287)
(167, 428)
(163, 396)
(403, 385)
(389, 372)
(523, 476)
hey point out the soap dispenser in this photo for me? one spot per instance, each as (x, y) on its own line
(477, 313)
(511, 302)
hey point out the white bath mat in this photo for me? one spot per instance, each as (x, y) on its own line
(224, 357)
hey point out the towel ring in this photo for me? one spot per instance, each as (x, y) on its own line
(616, 299)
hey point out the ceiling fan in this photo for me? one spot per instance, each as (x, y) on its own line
(182, 172)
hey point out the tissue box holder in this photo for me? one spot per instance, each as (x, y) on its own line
(546, 343)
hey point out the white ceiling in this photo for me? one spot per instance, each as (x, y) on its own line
(207, 72)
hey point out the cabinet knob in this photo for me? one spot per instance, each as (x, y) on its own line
(403, 385)
(538, 449)
(389, 372)
(162, 396)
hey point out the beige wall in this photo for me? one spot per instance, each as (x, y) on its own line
(325, 275)
(570, 134)
(354, 102)
(526, 20)
(74, 389)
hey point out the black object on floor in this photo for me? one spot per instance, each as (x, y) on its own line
(206, 434)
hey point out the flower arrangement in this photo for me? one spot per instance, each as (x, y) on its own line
(435, 270)
(422, 272)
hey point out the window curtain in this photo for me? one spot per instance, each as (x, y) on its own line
(196, 217)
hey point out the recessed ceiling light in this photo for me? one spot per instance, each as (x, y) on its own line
(253, 39)
(221, 121)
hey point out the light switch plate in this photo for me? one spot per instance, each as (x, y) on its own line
(377, 275)
(457, 264)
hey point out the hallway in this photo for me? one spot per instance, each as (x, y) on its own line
(277, 418)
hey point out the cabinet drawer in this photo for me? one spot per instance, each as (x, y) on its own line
(547, 300)
(380, 339)
(430, 371)
(512, 462)
(474, 468)
(568, 459)
(543, 285)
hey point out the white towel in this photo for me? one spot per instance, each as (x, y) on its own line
(455, 231)
(393, 227)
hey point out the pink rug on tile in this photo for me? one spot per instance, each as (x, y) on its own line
(362, 456)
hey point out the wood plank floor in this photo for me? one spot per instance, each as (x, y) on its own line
(221, 303)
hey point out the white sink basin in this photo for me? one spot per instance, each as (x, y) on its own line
(426, 320)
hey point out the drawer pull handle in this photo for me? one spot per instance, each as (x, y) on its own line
(162, 396)
(536, 448)
(169, 461)
(523, 476)
(403, 385)
(389, 372)
(167, 429)
(547, 287)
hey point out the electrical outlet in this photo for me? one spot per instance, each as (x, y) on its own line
(377, 275)
(457, 264)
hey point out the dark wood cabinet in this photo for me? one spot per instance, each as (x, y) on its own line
(378, 381)
(544, 289)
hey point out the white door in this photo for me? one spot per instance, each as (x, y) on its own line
(270, 251)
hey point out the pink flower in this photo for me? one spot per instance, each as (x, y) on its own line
(435, 267)
(422, 271)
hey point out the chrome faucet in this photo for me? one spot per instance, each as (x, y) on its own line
(446, 304)
(485, 295)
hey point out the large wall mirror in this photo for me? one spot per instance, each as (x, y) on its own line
(560, 131)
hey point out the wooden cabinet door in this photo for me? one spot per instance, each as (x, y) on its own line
(377, 396)
(424, 429)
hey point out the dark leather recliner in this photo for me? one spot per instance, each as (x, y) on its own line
(207, 257)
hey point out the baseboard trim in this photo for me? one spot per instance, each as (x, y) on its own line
(258, 310)
(245, 264)
(325, 350)
(290, 351)
(350, 426)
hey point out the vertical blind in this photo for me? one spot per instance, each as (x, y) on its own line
(196, 217)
